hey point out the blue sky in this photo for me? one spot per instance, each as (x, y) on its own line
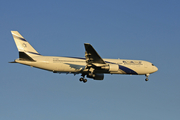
(141, 29)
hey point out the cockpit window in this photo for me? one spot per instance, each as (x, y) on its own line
(152, 64)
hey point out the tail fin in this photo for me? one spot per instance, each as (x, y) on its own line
(26, 51)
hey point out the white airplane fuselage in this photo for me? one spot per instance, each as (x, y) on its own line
(77, 65)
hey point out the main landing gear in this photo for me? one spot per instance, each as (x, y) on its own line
(147, 75)
(82, 79)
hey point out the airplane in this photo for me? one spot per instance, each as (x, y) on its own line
(92, 65)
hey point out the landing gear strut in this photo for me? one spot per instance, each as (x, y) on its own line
(82, 79)
(147, 75)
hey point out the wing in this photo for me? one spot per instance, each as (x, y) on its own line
(92, 57)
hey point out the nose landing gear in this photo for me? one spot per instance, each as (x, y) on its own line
(147, 75)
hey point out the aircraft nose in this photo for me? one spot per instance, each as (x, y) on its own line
(155, 69)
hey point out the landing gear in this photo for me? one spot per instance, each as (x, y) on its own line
(147, 75)
(82, 79)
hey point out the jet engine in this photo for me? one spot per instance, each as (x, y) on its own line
(111, 67)
(96, 76)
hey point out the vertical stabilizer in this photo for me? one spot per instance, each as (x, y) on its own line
(23, 45)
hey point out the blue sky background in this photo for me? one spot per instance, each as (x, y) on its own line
(132, 29)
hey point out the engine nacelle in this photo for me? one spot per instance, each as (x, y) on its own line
(111, 67)
(96, 76)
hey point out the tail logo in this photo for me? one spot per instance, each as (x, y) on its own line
(24, 45)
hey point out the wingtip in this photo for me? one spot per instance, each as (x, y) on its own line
(86, 43)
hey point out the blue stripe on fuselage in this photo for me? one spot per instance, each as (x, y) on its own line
(127, 70)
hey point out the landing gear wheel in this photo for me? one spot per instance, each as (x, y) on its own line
(147, 75)
(81, 79)
(85, 80)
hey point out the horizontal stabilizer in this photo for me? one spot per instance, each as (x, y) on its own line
(24, 56)
(13, 62)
